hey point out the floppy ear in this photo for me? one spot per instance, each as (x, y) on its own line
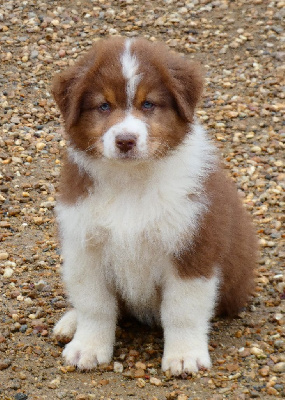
(65, 94)
(185, 82)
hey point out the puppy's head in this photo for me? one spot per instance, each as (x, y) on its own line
(128, 99)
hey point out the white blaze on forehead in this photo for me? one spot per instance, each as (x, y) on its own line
(129, 68)
(129, 126)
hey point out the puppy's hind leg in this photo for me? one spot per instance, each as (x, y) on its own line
(65, 328)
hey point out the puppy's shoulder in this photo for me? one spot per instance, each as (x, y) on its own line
(75, 183)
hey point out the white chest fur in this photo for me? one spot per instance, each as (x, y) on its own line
(136, 218)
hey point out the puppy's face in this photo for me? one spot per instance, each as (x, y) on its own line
(128, 100)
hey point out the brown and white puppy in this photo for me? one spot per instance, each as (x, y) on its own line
(147, 216)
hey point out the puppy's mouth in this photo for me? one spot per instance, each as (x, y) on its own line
(129, 156)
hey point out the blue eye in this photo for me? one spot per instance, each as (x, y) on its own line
(105, 107)
(147, 105)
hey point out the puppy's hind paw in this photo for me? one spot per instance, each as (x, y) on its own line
(65, 329)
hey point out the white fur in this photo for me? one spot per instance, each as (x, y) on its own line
(129, 68)
(66, 327)
(129, 125)
(186, 309)
(121, 238)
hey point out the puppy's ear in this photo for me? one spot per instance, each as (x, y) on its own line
(64, 92)
(185, 81)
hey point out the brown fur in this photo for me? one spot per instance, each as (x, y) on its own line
(171, 82)
(74, 184)
(226, 239)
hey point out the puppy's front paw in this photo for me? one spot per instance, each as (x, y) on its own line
(65, 328)
(85, 354)
(188, 362)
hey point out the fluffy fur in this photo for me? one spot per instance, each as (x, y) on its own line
(149, 222)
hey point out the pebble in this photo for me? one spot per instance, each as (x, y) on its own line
(272, 391)
(118, 367)
(61, 395)
(4, 364)
(241, 49)
(21, 396)
(264, 371)
(8, 272)
(257, 352)
(54, 384)
(40, 146)
(4, 256)
(34, 54)
(155, 381)
(40, 285)
(139, 373)
(279, 387)
(140, 383)
(279, 367)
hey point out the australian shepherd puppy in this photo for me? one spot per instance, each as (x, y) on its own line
(150, 224)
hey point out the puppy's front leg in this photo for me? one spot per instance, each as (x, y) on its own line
(95, 307)
(186, 309)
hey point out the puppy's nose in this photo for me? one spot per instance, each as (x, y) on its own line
(125, 143)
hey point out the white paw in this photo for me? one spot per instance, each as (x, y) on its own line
(65, 329)
(85, 355)
(186, 363)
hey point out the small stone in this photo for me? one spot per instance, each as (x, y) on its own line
(118, 367)
(279, 387)
(38, 220)
(272, 391)
(4, 256)
(155, 381)
(258, 353)
(140, 383)
(21, 396)
(4, 364)
(34, 54)
(15, 120)
(254, 394)
(139, 373)
(264, 371)
(40, 285)
(23, 328)
(279, 344)
(8, 272)
(54, 383)
(82, 397)
(182, 397)
(40, 146)
(61, 395)
(104, 382)
(140, 365)
(279, 367)
(61, 53)
(256, 149)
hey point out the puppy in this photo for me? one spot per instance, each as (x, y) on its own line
(149, 222)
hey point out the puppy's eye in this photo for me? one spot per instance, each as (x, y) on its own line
(105, 107)
(147, 106)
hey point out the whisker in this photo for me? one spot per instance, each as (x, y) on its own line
(90, 147)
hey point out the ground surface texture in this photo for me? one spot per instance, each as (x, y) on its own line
(240, 44)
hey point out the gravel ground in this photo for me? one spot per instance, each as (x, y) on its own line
(240, 44)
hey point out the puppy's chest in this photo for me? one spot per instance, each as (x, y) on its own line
(136, 236)
(138, 222)
(131, 234)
